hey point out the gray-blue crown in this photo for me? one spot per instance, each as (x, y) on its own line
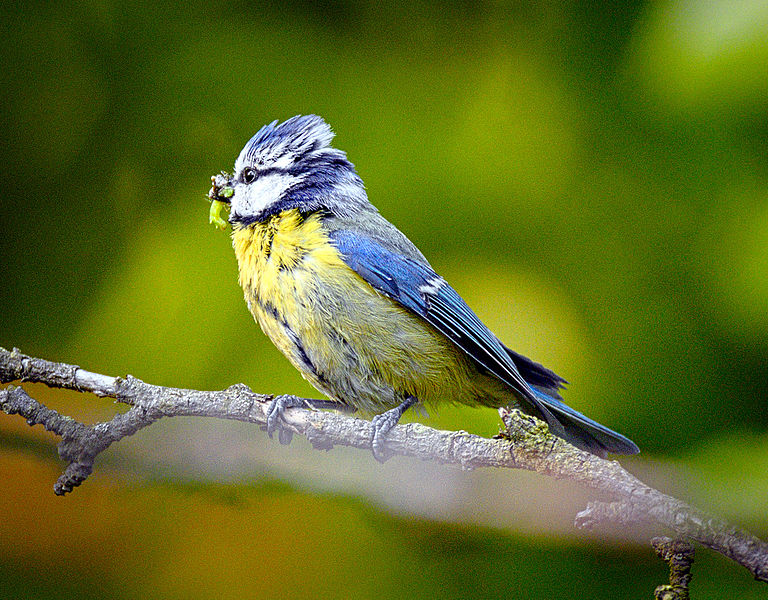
(296, 138)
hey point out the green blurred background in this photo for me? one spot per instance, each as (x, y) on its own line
(592, 179)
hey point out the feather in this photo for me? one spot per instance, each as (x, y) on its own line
(415, 285)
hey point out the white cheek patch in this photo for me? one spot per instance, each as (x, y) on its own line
(253, 198)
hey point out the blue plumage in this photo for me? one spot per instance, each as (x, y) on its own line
(298, 136)
(417, 287)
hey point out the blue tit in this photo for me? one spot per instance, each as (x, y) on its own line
(356, 307)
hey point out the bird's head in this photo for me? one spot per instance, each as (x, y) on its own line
(285, 166)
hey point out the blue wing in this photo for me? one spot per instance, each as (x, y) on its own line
(417, 287)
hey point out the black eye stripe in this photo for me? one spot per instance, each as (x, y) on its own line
(249, 174)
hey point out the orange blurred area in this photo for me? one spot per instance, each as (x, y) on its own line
(183, 542)
(42, 527)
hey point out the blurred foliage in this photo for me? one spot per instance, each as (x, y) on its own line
(591, 177)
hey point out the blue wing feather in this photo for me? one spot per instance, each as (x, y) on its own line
(417, 287)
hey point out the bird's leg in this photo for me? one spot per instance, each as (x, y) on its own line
(383, 423)
(279, 404)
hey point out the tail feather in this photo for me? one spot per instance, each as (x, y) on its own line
(537, 375)
(583, 432)
(570, 424)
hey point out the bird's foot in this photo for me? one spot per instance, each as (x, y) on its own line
(275, 413)
(279, 404)
(382, 424)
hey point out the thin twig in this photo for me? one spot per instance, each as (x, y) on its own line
(679, 554)
(528, 445)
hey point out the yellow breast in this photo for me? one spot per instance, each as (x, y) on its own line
(268, 252)
(349, 341)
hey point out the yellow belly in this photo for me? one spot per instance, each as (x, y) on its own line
(352, 343)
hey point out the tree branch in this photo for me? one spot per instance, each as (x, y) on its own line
(679, 555)
(527, 445)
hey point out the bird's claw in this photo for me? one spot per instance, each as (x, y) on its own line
(275, 412)
(382, 424)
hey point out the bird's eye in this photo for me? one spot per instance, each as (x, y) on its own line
(249, 175)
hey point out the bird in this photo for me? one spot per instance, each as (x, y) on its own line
(356, 307)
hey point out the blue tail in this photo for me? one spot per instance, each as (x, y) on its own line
(582, 431)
